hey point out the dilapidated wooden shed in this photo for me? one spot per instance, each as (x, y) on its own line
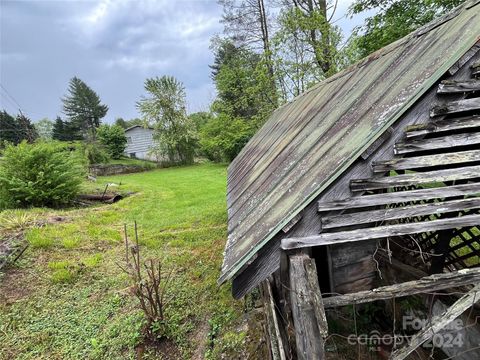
(365, 188)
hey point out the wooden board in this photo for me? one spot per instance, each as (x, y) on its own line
(426, 284)
(455, 107)
(305, 309)
(437, 176)
(453, 86)
(426, 161)
(441, 126)
(379, 216)
(379, 232)
(438, 323)
(400, 197)
(445, 142)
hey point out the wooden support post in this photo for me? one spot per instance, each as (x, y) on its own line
(438, 323)
(307, 308)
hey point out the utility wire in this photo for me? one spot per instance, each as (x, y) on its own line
(11, 97)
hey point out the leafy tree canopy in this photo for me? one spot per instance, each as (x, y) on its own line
(164, 109)
(394, 19)
(113, 138)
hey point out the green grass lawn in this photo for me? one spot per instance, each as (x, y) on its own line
(68, 299)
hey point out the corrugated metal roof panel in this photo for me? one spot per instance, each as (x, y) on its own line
(309, 142)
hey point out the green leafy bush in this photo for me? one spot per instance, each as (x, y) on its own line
(95, 153)
(113, 138)
(41, 174)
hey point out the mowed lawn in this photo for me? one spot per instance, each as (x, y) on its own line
(67, 298)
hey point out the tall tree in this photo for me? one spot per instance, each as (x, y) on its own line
(27, 129)
(83, 107)
(164, 108)
(246, 23)
(394, 19)
(9, 130)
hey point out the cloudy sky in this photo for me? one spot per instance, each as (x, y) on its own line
(113, 45)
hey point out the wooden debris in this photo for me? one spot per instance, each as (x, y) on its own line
(439, 323)
(446, 142)
(418, 178)
(401, 197)
(306, 306)
(453, 86)
(276, 342)
(441, 126)
(379, 232)
(426, 284)
(393, 213)
(454, 107)
(426, 161)
(292, 223)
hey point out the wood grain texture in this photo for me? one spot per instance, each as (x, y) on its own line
(395, 213)
(437, 176)
(427, 161)
(308, 335)
(445, 142)
(426, 284)
(400, 197)
(453, 86)
(379, 232)
(441, 126)
(455, 107)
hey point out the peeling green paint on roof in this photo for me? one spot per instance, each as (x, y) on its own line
(309, 142)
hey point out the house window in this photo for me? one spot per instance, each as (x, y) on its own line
(132, 155)
(129, 139)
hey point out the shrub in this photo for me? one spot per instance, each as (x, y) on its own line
(39, 174)
(113, 138)
(95, 153)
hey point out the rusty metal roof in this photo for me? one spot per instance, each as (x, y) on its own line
(309, 142)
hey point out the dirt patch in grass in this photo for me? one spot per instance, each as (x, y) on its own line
(15, 284)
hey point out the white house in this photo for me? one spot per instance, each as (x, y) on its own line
(139, 142)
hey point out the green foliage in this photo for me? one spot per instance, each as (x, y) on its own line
(222, 138)
(129, 123)
(39, 174)
(65, 131)
(95, 153)
(113, 138)
(44, 128)
(15, 130)
(164, 109)
(394, 19)
(83, 107)
(245, 100)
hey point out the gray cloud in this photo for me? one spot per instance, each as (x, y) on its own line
(113, 45)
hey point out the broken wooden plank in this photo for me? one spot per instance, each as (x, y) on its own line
(426, 161)
(377, 143)
(441, 126)
(458, 86)
(445, 142)
(276, 341)
(401, 197)
(436, 176)
(379, 232)
(439, 323)
(454, 107)
(427, 284)
(308, 333)
(394, 213)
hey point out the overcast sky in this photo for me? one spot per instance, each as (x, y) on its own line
(112, 45)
